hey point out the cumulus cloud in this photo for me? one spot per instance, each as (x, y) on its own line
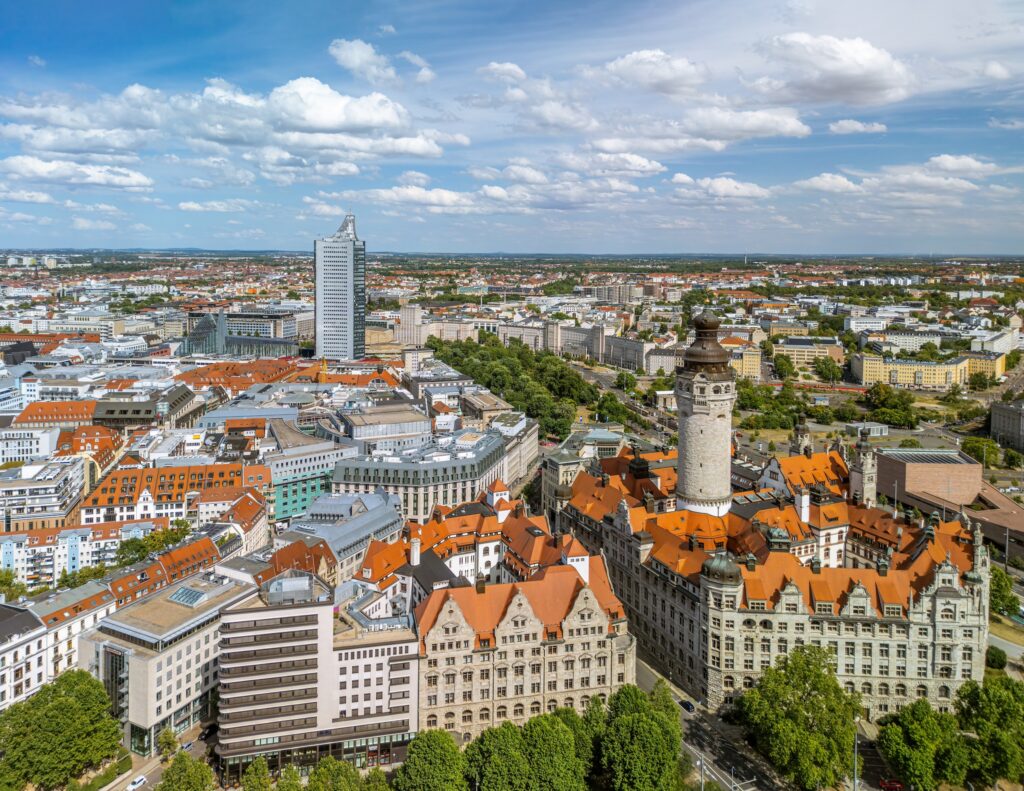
(658, 71)
(848, 126)
(522, 171)
(386, 30)
(60, 171)
(962, 165)
(828, 182)
(25, 196)
(362, 60)
(834, 70)
(728, 188)
(681, 178)
(603, 164)
(86, 224)
(506, 72)
(308, 104)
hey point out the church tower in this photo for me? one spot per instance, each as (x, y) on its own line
(864, 472)
(705, 394)
(800, 443)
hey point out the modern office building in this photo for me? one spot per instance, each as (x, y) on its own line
(341, 294)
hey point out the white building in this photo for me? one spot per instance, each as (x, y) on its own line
(22, 654)
(23, 444)
(341, 294)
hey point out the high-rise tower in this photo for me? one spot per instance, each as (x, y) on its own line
(705, 394)
(341, 294)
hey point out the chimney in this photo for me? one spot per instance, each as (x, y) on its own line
(481, 583)
(645, 543)
(414, 552)
(808, 450)
(883, 567)
(751, 561)
(519, 511)
(816, 566)
(803, 504)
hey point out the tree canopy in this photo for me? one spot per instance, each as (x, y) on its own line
(801, 720)
(58, 733)
(433, 763)
(186, 773)
(1001, 597)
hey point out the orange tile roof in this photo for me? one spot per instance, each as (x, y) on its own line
(827, 468)
(171, 484)
(41, 412)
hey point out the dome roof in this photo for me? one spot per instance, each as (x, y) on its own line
(722, 568)
(706, 353)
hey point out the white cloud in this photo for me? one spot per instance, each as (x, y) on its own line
(1010, 123)
(425, 73)
(229, 205)
(363, 60)
(85, 224)
(658, 71)
(995, 70)
(849, 126)
(25, 196)
(386, 30)
(414, 178)
(35, 60)
(682, 178)
(602, 164)
(60, 171)
(524, 173)
(828, 182)
(308, 104)
(507, 72)
(724, 187)
(834, 70)
(440, 199)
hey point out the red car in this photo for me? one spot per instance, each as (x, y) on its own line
(891, 785)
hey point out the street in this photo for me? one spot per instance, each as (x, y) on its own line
(153, 768)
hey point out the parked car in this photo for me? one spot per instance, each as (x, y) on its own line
(137, 783)
(891, 785)
(688, 707)
(187, 746)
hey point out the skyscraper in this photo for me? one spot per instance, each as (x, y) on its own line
(341, 294)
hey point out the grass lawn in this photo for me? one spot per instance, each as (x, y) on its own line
(1006, 629)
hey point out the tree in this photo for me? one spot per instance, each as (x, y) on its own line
(582, 737)
(828, 369)
(982, 449)
(628, 699)
(995, 657)
(784, 368)
(334, 775)
(58, 733)
(664, 703)
(257, 776)
(994, 713)
(166, 743)
(800, 719)
(910, 442)
(915, 739)
(432, 763)
(497, 761)
(375, 780)
(10, 586)
(625, 381)
(979, 381)
(1001, 598)
(1013, 459)
(186, 774)
(551, 752)
(290, 780)
(131, 550)
(639, 753)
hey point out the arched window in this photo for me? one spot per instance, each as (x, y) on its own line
(848, 686)
(945, 672)
(943, 691)
(518, 710)
(568, 703)
(432, 721)
(766, 624)
(501, 713)
(485, 715)
(922, 691)
(749, 624)
(450, 715)
(716, 390)
(552, 705)
(865, 688)
(467, 717)
(584, 701)
(535, 708)
(883, 690)
(729, 682)
(901, 691)
(748, 682)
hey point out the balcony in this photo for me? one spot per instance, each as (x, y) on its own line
(272, 712)
(277, 696)
(280, 652)
(241, 687)
(231, 673)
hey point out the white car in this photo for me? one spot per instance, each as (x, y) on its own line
(137, 783)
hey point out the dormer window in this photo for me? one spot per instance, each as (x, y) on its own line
(823, 608)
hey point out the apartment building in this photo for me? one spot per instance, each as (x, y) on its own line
(23, 667)
(41, 496)
(40, 556)
(1007, 425)
(157, 657)
(804, 351)
(56, 414)
(507, 652)
(302, 679)
(25, 444)
(135, 494)
(450, 470)
(66, 614)
(925, 374)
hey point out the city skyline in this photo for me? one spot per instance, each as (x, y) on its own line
(789, 127)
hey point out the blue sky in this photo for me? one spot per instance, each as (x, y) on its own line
(603, 127)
